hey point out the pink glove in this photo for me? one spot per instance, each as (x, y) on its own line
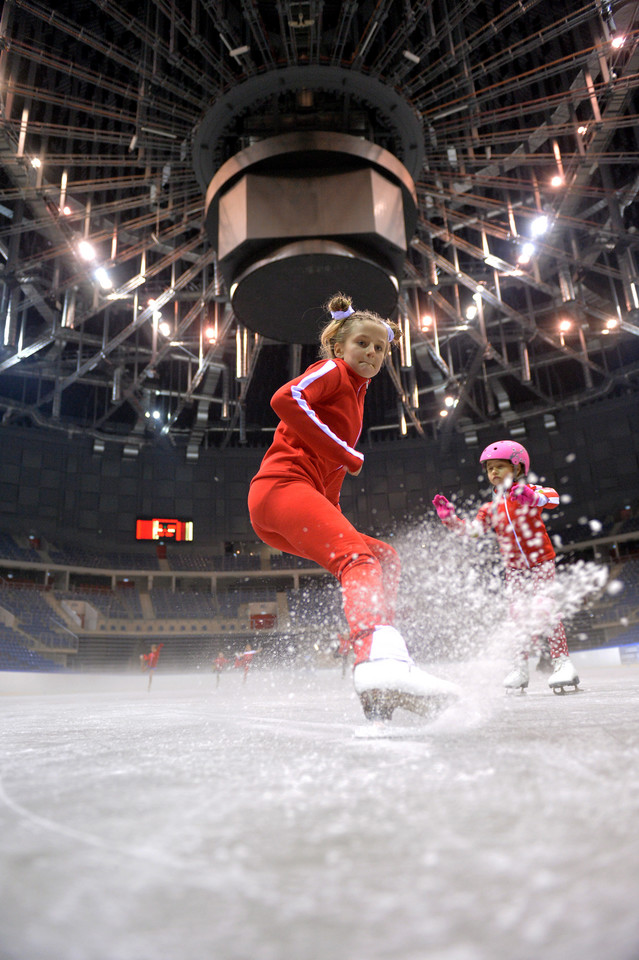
(444, 507)
(522, 493)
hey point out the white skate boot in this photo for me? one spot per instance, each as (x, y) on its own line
(564, 675)
(390, 679)
(517, 679)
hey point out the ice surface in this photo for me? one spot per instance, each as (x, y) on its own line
(249, 822)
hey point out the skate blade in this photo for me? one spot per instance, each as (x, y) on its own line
(562, 688)
(516, 691)
(379, 705)
(427, 707)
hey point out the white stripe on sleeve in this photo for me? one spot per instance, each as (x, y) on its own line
(296, 392)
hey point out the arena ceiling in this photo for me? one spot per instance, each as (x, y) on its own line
(506, 135)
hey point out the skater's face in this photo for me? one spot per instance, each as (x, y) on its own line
(364, 348)
(500, 472)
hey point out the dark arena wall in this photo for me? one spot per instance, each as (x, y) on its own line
(55, 486)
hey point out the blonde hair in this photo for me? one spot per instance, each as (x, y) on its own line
(339, 328)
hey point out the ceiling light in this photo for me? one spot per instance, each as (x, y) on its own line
(86, 250)
(411, 56)
(238, 51)
(36, 163)
(103, 278)
(565, 325)
(539, 225)
(158, 133)
(526, 253)
(557, 180)
(471, 312)
(617, 42)
(426, 321)
(165, 329)
(612, 323)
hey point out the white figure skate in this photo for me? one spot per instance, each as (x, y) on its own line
(390, 679)
(517, 680)
(563, 676)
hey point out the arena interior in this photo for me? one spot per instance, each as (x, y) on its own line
(183, 186)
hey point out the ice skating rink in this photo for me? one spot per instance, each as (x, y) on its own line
(251, 822)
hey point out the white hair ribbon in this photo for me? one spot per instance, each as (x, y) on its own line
(342, 314)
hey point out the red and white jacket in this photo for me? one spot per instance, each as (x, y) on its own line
(321, 414)
(521, 533)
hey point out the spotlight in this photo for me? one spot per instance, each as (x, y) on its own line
(527, 251)
(86, 250)
(539, 225)
(103, 278)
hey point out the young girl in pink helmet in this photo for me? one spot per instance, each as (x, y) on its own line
(294, 505)
(515, 517)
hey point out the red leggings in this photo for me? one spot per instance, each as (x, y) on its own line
(532, 582)
(291, 515)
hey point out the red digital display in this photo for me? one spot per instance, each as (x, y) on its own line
(158, 529)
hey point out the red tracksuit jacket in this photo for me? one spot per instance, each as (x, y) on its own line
(320, 415)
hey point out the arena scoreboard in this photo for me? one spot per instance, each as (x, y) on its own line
(159, 529)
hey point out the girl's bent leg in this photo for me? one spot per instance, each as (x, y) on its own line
(295, 517)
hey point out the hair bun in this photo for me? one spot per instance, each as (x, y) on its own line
(339, 303)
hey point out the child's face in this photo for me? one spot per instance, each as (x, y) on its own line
(500, 472)
(364, 348)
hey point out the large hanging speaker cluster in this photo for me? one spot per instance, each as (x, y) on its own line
(298, 216)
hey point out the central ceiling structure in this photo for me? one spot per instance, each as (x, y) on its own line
(184, 184)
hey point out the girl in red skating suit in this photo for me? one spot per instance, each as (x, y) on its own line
(294, 504)
(149, 661)
(514, 516)
(218, 665)
(243, 660)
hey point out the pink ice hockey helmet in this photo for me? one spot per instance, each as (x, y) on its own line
(507, 450)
